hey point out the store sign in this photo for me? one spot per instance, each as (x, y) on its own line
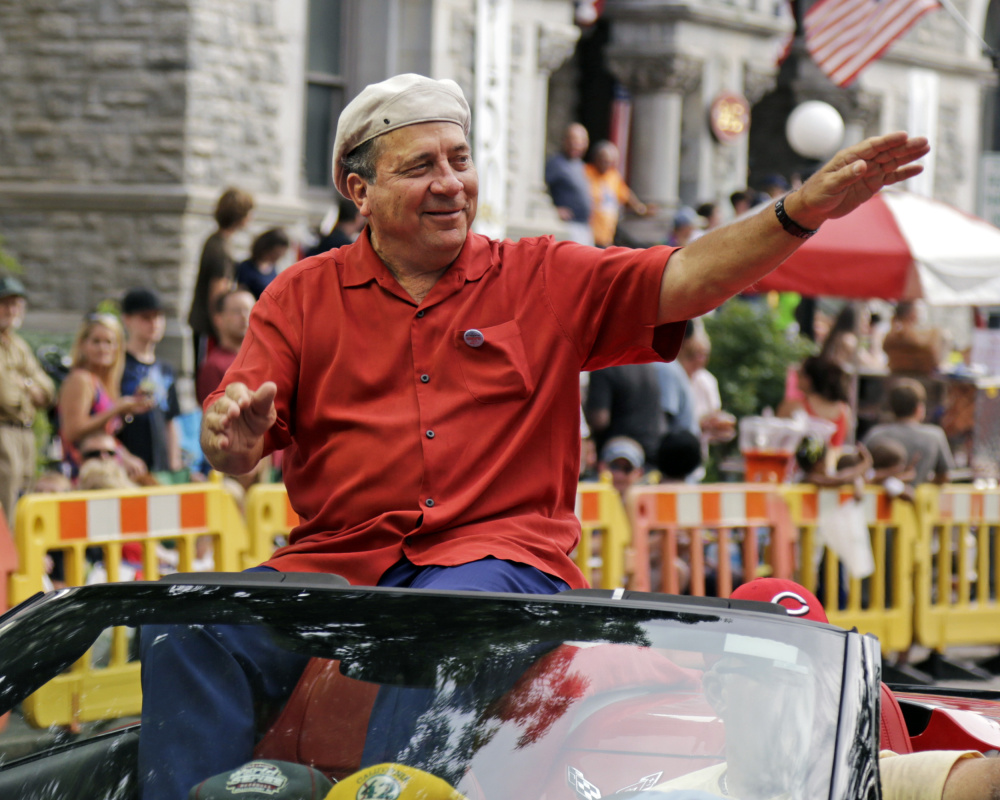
(729, 117)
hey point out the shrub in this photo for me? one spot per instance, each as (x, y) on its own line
(750, 357)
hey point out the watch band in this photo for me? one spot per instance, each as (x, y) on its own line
(788, 223)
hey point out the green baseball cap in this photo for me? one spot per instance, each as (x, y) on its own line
(265, 780)
(11, 287)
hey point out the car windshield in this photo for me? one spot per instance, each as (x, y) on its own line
(500, 696)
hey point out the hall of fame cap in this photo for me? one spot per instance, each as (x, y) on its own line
(264, 780)
(397, 781)
(402, 100)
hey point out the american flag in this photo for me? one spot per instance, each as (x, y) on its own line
(845, 36)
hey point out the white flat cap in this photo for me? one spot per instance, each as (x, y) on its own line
(395, 103)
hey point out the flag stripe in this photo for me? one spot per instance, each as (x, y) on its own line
(845, 36)
(877, 46)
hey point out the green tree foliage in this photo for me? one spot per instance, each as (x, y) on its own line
(750, 357)
(8, 263)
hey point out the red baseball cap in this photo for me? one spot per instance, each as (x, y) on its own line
(795, 598)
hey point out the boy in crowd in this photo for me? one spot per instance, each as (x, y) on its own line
(155, 435)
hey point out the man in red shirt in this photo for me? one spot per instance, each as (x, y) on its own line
(424, 383)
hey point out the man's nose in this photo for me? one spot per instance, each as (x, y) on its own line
(446, 182)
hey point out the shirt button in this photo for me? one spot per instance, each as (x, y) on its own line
(425, 378)
(420, 313)
(430, 434)
(429, 502)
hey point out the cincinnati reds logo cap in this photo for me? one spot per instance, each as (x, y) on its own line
(795, 598)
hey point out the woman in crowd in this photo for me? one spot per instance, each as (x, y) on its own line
(217, 269)
(848, 340)
(89, 398)
(824, 387)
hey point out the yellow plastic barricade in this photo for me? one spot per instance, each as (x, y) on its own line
(8, 560)
(269, 515)
(676, 524)
(600, 554)
(105, 684)
(881, 604)
(957, 567)
(604, 535)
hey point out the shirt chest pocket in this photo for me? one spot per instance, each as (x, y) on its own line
(494, 363)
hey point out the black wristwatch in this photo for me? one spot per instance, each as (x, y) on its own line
(788, 223)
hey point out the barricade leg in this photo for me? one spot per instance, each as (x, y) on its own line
(724, 568)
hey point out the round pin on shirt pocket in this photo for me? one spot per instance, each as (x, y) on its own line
(494, 362)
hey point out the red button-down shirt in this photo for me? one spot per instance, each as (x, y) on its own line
(405, 439)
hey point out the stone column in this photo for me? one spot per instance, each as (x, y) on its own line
(658, 84)
(543, 44)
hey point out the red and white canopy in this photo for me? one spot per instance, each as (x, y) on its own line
(896, 246)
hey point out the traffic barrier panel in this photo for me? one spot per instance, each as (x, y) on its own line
(269, 516)
(684, 524)
(957, 566)
(604, 535)
(881, 604)
(600, 555)
(105, 685)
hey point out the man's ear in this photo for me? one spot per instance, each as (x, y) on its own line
(357, 191)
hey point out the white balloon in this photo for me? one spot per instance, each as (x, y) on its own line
(814, 129)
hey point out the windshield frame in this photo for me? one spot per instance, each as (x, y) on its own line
(46, 634)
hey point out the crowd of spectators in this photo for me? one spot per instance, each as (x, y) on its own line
(117, 413)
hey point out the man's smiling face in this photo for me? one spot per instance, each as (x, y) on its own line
(423, 201)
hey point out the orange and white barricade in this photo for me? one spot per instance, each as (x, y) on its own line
(671, 520)
(604, 536)
(71, 523)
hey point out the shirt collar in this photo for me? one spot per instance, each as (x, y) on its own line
(361, 264)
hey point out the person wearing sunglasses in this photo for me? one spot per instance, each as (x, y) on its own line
(100, 445)
(90, 399)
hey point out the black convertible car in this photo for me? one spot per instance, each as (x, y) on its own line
(576, 696)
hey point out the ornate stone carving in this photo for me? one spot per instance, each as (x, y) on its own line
(555, 45)
(656, 72)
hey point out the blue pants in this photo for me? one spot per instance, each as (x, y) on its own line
(202, 686)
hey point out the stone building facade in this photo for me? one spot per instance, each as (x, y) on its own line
(121, 121)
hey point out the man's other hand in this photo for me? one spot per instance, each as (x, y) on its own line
(232, 434)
